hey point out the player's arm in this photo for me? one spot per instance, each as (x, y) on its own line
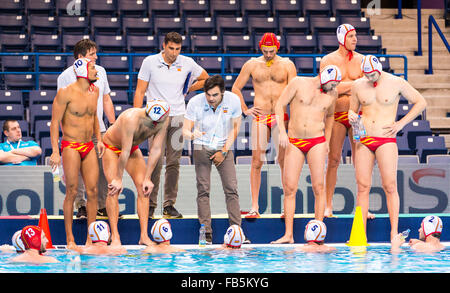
(100, 145)
(329, 119)
(292, 71)
(354, 103)
(413, 97)
(58, 108)
(141, 87)
(285, 99)
(240, 82)
(198, 85)
(126, 134)
(155, 150)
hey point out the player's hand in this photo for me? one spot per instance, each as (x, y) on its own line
(413, 241)
(115, 187)
(397, 240)
(254, 111)
(197, 134)
(283, 139)
(101, 149)
(392, 129)
(147, 187)
(352, 116)
(217, 158)
(55, 160)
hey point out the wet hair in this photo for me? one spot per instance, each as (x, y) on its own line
(436, 235)
(6, 124)
(173, 37)
(82, 47)
(213, 81)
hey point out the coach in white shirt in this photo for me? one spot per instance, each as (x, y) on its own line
(88, 49)
(215, 116)
(169, 76)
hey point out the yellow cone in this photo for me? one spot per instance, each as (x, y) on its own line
(358, 233)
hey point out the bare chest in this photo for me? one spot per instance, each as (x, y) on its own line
(350, 71)
(313, 100)
(276, 73)
(379, 95)
(83, 105)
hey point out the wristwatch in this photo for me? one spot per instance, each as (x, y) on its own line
(224, 154)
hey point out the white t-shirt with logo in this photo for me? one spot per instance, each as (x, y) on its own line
(215, 123)
(169, 83)
(68, 76)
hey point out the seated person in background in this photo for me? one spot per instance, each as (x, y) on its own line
(100, 236)
(429, 237)
(315, 232)
(15, 151)
(161, 233)
(34, 241)
(233, 238)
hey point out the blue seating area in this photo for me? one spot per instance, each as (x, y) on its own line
(138, 26)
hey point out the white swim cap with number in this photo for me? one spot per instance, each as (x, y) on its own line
(17, 241)
(330, 73)
(315, 231)
(430, 225)
(370, 64)
(99, 231)
(342, 31)
(156, 109)
(234, 236)
(161, 231)
(80, 66)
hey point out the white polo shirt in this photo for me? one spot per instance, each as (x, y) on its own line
(68, 76)
(169, 83)
(216, 124)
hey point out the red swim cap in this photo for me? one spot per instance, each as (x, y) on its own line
(269, 40)
(31, 237)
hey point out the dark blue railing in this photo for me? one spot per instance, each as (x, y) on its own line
(399, 11)
(431, 22)
(223, 72)
(419, 29)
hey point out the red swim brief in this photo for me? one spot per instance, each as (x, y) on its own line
(83, 148)
(119, 151)
(270, 120)
(373, 143)
(306, 144)
(342, 117)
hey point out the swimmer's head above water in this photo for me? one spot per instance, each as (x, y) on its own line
(315, 231)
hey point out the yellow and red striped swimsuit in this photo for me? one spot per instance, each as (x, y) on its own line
(306, 144)
(83, 148)
(119, 151)
(373, 143)
(270, 120)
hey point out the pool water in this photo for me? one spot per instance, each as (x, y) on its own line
(251, 259)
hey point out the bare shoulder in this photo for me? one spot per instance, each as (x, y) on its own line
(298, 81)
(329, 58)
(358, 56)
(360, 82)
